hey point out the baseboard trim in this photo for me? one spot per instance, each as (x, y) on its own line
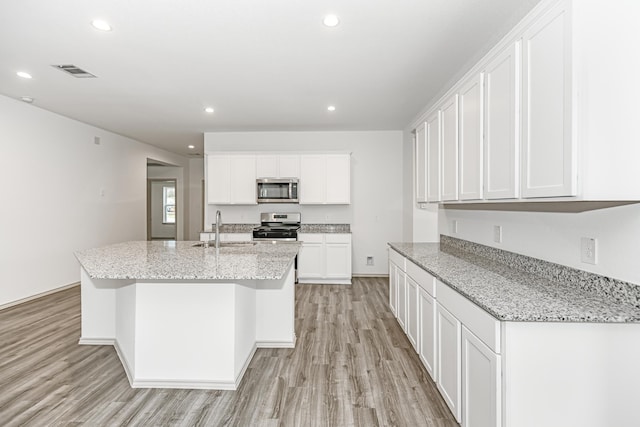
(40, 295)
(96, 341)
(370, 275)
(324, 281)
(276, 344)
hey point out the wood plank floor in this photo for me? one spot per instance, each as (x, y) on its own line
(352, 366)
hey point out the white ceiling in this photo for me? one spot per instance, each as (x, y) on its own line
(262, 64)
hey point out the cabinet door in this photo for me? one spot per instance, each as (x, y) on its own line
(502, 136)
(393, 287)
(243, 180)
(312, 179)
(412, 312)
(338, 179)
(449, 132)
(401, 314)
(481, 388)
(267, 166)
(471, 130)
(218, 179)
(338, 260)
(548, 153)
(427, 331)
(421, 163)
(289, 166)
(433, 157)
(448, 331)
(311, 261)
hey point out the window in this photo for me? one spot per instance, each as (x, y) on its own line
(169, 204)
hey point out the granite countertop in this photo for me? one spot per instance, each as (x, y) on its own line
(171, 260)
(304, 228)
(513, 294)
(325, 228)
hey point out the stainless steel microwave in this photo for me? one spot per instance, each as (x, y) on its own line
(277, 190)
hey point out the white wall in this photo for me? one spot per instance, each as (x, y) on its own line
(556, 237)
(196, 188)
(375, 212)
(64, 193)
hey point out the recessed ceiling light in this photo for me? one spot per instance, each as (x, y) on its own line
(27, 99)
(209, 110)
(101, 25)
(331, 20)
(331, 108)
(23, 74)
(191, 147)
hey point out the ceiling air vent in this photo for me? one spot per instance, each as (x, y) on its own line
(74, 71)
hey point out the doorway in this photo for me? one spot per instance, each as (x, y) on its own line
(162, 209)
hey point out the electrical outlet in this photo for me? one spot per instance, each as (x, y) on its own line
(454, 226)
(497, 233)
(589, 250)
(369, 260)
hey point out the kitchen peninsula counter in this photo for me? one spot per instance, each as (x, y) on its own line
(186, 316)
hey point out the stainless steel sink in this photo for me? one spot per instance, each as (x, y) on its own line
(227, 244)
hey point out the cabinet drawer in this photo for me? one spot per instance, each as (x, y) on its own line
(337, 238)
(397, 259)
(478, 321)
(422, 277)
(311, 238)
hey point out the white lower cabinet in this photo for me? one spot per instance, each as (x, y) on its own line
(481, 386)
(448, 330)
(324, 258)
(427, 331)
(457, 342)
(412, 312)
(401, 312)
(393, 287)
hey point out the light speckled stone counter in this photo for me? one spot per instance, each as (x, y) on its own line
(514, 294)
(325, 228)
(171, 260)
(234, 228)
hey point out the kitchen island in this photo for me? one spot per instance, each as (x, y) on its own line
(185, 316)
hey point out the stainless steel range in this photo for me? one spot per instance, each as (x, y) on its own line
(278, 226)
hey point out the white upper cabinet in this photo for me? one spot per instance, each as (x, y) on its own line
(502, 134)
(278, 166)
(449, 129)
(471, 137)
(433, 156)
(231, 179)
(421, 163)
(548, 168)
(288, 166)
(325, 179)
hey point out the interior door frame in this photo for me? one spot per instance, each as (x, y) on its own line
(149, 183)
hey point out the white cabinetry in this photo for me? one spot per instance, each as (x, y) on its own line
(278, 166)
(449, 189)
(502, 133)
(412, 311)
(324, 258)
(325, 179)
(433, 156)
(311, 258)
(231, 179)
(448, 330)
(393, 287)
(471, 137)
(548, 157)
(480, 383)
(427, 331)
(421, 163)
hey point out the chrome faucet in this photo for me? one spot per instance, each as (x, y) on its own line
(218, 223)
